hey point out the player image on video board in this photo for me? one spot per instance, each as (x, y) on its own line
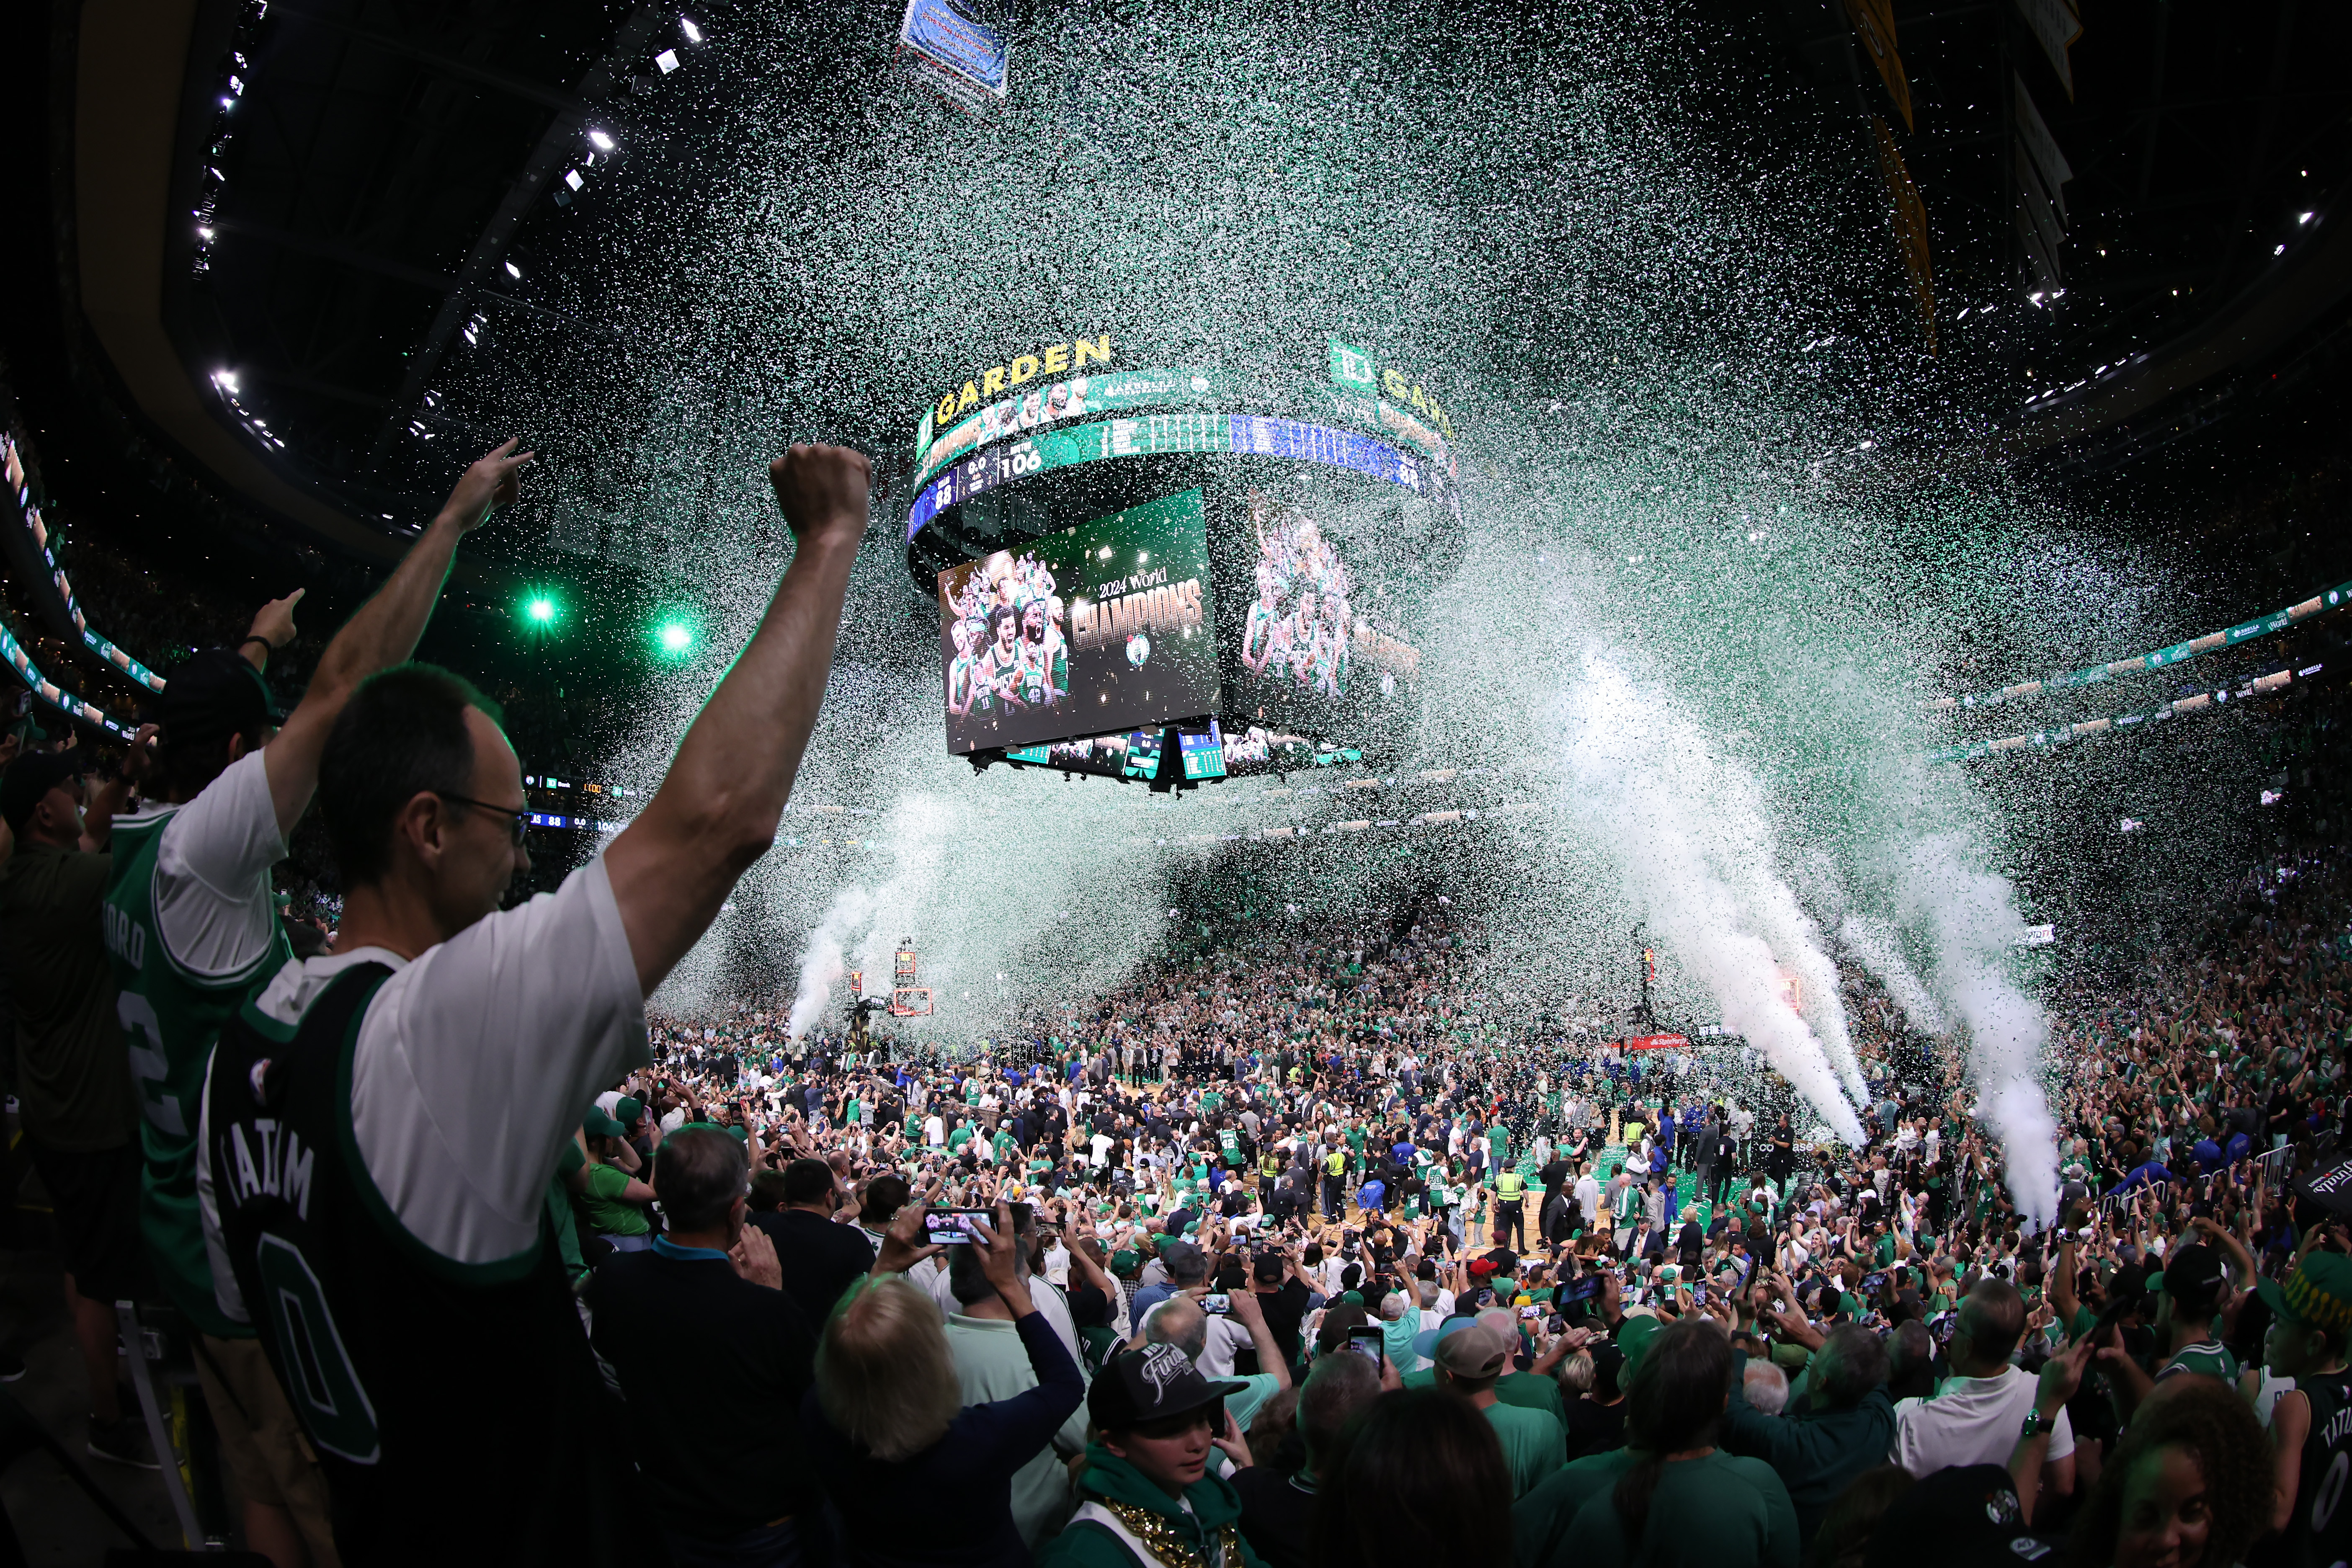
(1105, 627)
(1296, 629)
(1310, 649)
(1010, 632)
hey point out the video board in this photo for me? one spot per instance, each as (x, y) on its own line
(1310, 649)
(1107, 626)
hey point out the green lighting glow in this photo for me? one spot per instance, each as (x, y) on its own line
(541, 610)
(676, 637)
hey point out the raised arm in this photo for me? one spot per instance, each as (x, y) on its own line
(382, 634)
(716, 813)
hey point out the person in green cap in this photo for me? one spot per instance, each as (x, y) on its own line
(2311, 1315)
(614, 1199)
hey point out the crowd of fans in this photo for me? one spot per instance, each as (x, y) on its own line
(1308, 1245)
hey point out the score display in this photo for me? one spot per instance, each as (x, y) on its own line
(1202, 754)
(1110, 625)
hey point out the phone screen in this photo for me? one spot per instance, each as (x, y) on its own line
(1582, 1290)
(1368, 1343)
(1217, 1303)
(950, 1228)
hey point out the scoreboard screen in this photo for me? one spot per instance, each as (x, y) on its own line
(1107, 626)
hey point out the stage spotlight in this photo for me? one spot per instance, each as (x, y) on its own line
(541, 611)
(675, 638)
(601, 142)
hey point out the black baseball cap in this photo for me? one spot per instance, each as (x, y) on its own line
(2192, 1274)
(1956, 1518)
(216, 694)
(1152, 1385)
(31, 777)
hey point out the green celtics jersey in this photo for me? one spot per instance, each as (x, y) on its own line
(170, 1018)
(2211, 1359)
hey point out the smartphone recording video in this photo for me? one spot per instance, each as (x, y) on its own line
(952, 1227)
(1368, 1343)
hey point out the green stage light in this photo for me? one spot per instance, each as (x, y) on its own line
(541, 611)
(674, 637)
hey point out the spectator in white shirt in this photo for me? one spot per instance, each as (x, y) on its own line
(1975, 1416)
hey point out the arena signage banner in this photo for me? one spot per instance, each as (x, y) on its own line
(1354, 370)
(1107, 626)
(1045, 406)
(1053, 359)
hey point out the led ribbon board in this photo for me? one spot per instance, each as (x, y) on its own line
(1065, 402)
(1248, 435)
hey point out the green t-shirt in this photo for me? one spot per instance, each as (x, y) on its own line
(2211, 1359)
(1715, 1513)
(964, 1132)
(1533, 1444)
(1001, 1145)
(606, 1212)
(1526, 1390)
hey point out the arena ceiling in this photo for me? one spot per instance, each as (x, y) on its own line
(281, 226)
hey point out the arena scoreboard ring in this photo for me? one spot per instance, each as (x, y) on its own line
(1169, 593)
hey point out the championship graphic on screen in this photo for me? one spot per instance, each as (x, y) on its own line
(1105, 626)
(1310, 651)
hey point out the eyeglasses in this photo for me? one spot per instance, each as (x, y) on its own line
(518, 816)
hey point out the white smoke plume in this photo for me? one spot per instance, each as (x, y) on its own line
(1874, 941)
(1680, 826)
(1971, 916)
(824, 964)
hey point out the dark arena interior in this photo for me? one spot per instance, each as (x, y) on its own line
(1548, 785)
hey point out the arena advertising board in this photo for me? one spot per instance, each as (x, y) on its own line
(1043, 406)
(1157, 433)
(1107, 626)
(969, 51)
(1309, 647)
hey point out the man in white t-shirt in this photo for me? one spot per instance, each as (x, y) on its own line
(380, 1125)
(1587, 1196)
(1978, 1415)
(193, 930)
